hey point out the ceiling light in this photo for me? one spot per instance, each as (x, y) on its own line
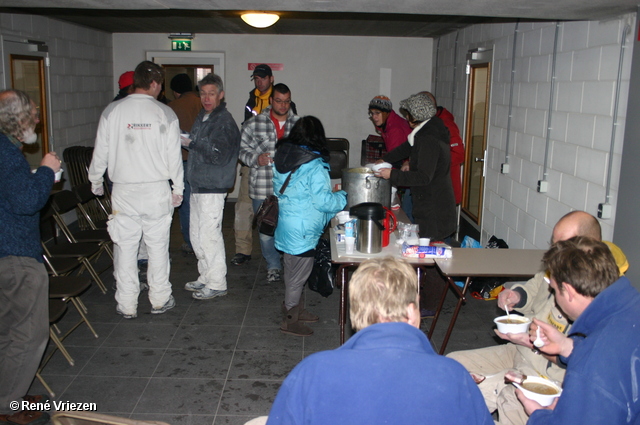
(260, 19)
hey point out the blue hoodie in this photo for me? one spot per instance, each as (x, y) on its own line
(602, 384)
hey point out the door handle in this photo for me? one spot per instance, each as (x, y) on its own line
(479, 159)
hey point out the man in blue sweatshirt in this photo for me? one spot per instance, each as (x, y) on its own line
(388, 372)
(24, 284)
(602, 351)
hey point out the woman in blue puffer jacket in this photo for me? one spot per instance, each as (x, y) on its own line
(306, 206)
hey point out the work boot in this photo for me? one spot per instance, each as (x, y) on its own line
(292, 324)
(25, 417)
(304, 315)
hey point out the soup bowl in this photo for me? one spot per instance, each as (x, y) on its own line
(538, 389)
(512, 324)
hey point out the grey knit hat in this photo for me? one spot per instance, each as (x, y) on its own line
(381, 103)
(420, 106)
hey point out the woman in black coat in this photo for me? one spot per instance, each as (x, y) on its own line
(427, 147)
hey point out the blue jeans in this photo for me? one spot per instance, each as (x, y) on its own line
(407, 204)
(185, 209)
(268, 244)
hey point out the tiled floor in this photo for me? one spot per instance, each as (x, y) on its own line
(219, 361)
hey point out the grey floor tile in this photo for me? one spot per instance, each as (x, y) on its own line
(123, 361)
(263, 364)
(132, 334)
(110, 394)
(180, 396)
(206, 337)
(248, 397)
(194, 363)
(57, 383)
(323, 338)
(58, 365)
(232, 420)
(82, 336)
(214, 312)
(175, 419)
(268, 339)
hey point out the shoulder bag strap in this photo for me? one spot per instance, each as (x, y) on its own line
(286, 182)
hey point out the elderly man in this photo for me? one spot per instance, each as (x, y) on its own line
(138, 141)
(257, 147)
(602, 350)
(24, 284)
(533, 299)
(213, 152)
(388, 372)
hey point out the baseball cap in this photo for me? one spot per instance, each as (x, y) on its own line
(262, 70)
(125, 80)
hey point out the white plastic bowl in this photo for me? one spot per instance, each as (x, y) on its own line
(542, 399)
(377, 167)
(513, 328)
(343, 217)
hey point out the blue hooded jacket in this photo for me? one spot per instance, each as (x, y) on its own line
(307, 204)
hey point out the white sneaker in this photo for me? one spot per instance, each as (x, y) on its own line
(126, 316)
(193, 286)
(207, 294)
(171, 302)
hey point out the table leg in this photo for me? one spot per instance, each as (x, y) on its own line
(341, 276)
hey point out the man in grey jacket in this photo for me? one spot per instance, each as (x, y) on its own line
(213, 152)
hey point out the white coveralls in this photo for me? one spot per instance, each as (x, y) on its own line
(138, 141)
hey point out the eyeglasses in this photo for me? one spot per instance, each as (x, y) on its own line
(280, 102)
(372, 113)
(547, 277)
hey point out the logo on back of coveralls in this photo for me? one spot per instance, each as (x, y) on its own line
(138, 126)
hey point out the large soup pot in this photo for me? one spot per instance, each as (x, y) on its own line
(362, 185)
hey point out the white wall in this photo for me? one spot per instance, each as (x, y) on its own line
(582, 120)
(333, 78)
(81, 74)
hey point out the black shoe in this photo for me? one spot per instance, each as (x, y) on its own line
(240, 259)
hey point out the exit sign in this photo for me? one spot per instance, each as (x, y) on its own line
(181, 45)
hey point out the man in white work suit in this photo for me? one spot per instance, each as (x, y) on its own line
(138, 142)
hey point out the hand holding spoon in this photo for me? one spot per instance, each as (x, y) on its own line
(538, 342)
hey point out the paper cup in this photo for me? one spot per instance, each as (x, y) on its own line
(350, 244)
(424, 241)
(58, 176)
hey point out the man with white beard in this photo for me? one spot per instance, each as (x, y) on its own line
(24, 284)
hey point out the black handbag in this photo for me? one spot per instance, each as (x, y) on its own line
(266, 219)
(321, 279)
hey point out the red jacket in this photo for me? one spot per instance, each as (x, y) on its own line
(395, 131)
(457, 150)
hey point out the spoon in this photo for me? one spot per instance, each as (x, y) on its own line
(506, 308)
(538, 341)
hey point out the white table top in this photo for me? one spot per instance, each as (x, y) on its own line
(477, 262)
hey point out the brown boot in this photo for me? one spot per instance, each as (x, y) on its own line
(304, 315)
(292, 324)
(25, 417)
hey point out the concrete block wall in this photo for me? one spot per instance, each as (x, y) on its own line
(81, 74)
(581, 120)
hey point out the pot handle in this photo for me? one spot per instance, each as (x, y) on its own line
(367, 184)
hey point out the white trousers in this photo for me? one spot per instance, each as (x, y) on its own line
(141, 212)
(205, 231)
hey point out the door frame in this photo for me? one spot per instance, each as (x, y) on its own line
(478, 56)
(21, 47)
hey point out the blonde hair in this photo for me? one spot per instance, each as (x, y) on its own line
(380, 291)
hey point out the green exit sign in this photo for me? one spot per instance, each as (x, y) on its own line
(181, 45)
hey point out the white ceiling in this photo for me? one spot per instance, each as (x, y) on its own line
(401, 18)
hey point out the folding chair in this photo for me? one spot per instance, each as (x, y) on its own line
(66, 201)
(338, 156)
(64, 266)
(57, 309)
(92, 208)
